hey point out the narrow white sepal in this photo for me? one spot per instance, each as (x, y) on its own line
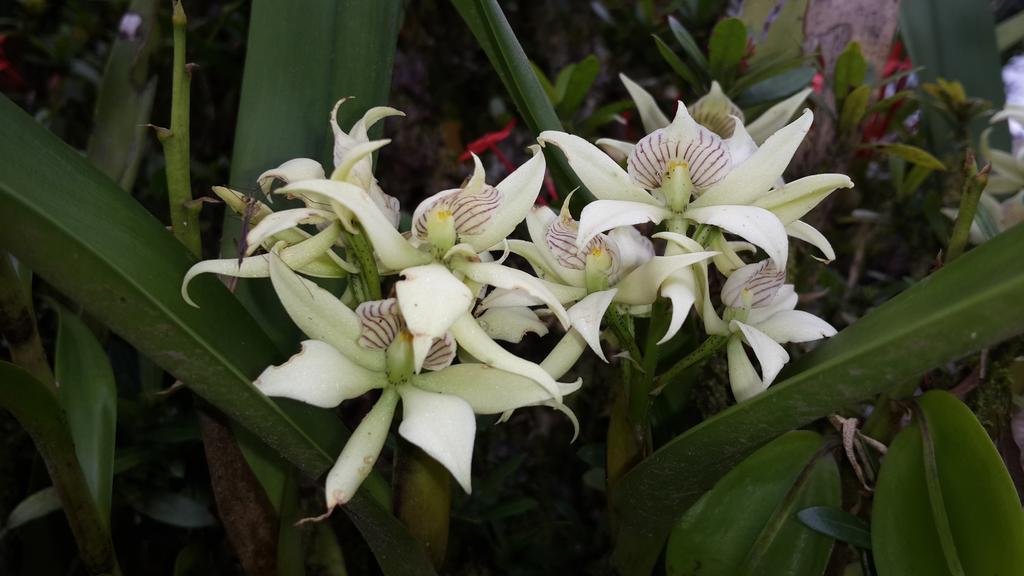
(651, 116)
(512, 279)
(803, 231)
(774, 118)
(755, 225)
(605, 179)
(586, 318)
(743, 379)
(642, 284)
(796, 326)
(319, 375)
(512, 324)
(443, 426)
(361, 451)
(770, 355)
(680, 289)
(278, 222)
(294, 170)
(799, 197)
(488, 390)
(602, 215)
(518, 192)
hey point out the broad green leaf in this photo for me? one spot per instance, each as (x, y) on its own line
(955, 40)
(747, 523)
(839, 524)
(726, 49)
(912, 154)
(688, 44)
(35, 406)
(583, 75)
(88, 393)
(761, 73)
(945, 503)
(784, 37)
(777, 87)
(562, 83)
(129, 276)
(1010, 31)
(119, 134)
(545, 82)
(947, 315)
(684, 71)
(851, 71)
(36, 505)
(854, 107)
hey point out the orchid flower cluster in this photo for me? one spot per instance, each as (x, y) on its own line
(704, 177)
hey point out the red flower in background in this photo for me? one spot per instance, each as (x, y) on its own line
(489, 143)
(879, 123)
(10, 79)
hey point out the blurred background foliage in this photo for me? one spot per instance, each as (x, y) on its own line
(890, 114)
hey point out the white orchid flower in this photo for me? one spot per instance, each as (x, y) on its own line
(760, 313)
(375, 347)
(685, 173)
(993, 216)
(1008, 169)
(618, 267)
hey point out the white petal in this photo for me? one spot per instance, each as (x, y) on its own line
(741, 145)
(774, 118)
(443, 426)
(500, 276)
(602, 215)
(586, 318)
(252, 267)
(488, 390)
(758, 174)
(680, 289)
(743, 379)
(473, 339)
(320, 315)
(599, 173)
(356, 166)
(394, 251)
(616, 149)
(770, 355)
(318, 375)
(503, 298)
(278, 222)
(293, 170)
(785, 299)
(728, 260)
(631, 247)
(756, 225)
(650, 115)
(431, 299)
(361, 451)
(512, 324)
(517, 192)
(641, 285)
(797, 198)
(532, 254)
(686, 243)
(802, 231)
(796, 326)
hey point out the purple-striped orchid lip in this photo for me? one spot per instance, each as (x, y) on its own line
(471, 209)
(753, 285)
(381, 322)
(703, 153)
(561, 241)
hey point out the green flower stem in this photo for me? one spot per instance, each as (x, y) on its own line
(18, 325)
(37, 409)
(184, 216)
(702, 353)
(367, 285)
(422, 498)
(974, 183)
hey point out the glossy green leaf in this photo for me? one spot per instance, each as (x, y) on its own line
(755, 76)
(747, 523)
(851, 71)
(945, 503)
(583, 75)
(943, 317)
(912, 154)
(854, 107)
(680, 67)
(956, 40)
(839, 524)
(777, 87)
(688, 44)
(726, 48)
(88, 393)
(35, 406)
(129, 275)
(494, 35)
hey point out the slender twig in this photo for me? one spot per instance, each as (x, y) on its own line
(18, 325)
(366, 286)
(702, 353)
(974, 183)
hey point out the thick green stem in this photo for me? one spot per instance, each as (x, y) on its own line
(37, 409)
(367, 285)
(18, 325)
(702, 353)
(422, 496)
(184, 214)
(973, 185)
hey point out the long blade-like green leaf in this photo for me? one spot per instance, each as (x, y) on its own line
(80, 232)
(36, 408)
(86, 388)
(971, 304)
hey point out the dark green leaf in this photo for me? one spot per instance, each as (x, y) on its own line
(914, 179)
(912, 154)
(88, 393)
(854, 108)
(945, 503)
(544, 81)
(777, 87)
(851, 70)
(688, 44)
(941, 318)
(36, 505)
(784, 36)
(129, 275)
(604, 115)
(726, 48)
(839, 524)
(678, 65)
(747, 523)
(762, 73)
(583, 75)
(562, 83)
